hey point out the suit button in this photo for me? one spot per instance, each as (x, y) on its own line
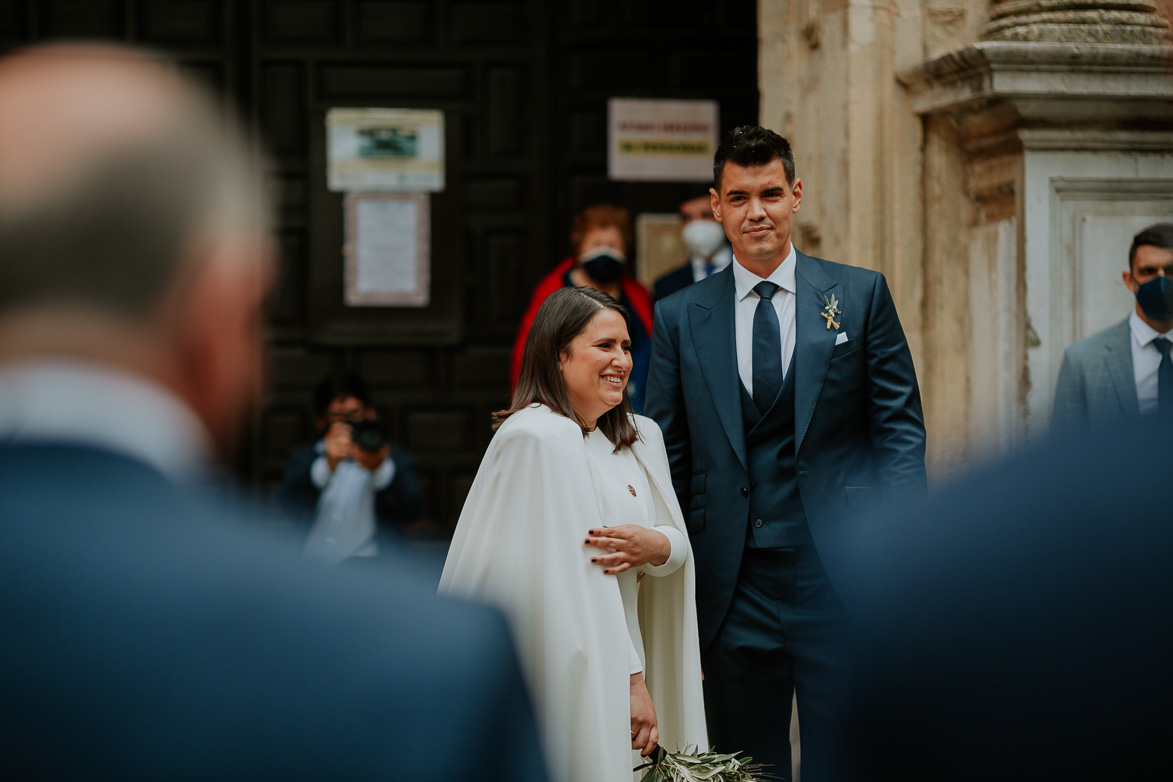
(744, 492)
(757, 522)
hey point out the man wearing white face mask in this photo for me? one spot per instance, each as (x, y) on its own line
(708, 250)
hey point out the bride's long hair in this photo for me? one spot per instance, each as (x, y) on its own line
(561, 318)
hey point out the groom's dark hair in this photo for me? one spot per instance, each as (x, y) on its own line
(752, 145)
(563, 316)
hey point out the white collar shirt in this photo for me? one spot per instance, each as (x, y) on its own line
(747, 302)
(83, 403)
(719, 261)
(1145, 361)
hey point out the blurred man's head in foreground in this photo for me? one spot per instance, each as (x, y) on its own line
(133, 226)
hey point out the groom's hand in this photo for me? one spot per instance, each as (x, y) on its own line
(632, 546)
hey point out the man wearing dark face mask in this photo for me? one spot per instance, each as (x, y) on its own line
(708, 249)
(1126, 371)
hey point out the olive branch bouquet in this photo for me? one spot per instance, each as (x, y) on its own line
(693, 766)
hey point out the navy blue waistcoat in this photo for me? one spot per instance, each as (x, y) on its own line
(776, 515)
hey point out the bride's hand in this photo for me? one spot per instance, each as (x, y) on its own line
(635, 546)
(644, 733)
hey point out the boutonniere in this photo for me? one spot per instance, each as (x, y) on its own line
(830, 310)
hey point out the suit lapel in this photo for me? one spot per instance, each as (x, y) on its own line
(711, 321)
(1118, 359)
(813, 341)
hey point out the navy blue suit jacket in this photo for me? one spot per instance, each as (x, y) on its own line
(152, 634)
(859, 429)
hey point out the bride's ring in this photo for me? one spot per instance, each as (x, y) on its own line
(633, 734)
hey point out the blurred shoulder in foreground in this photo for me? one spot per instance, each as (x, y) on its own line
(1016, 625)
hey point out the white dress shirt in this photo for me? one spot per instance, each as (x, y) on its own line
(1145, 361)
(720, 260)
(86, 403)
(747, 303)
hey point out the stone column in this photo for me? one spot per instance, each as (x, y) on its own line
(1135, 22)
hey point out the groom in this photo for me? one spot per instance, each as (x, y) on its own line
(789, 405)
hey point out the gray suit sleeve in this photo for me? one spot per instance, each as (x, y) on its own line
(1070, 409)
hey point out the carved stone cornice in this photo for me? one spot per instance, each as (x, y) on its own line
(993, 87)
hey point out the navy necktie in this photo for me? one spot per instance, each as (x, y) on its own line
(1164, 376)
(767, 348)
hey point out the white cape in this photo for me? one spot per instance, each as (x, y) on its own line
(519, 546)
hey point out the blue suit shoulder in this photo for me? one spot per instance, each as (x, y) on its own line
(844, 272)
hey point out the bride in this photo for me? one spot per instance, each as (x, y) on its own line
(571, 507)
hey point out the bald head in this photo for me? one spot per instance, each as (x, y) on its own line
(113, 170)
(133, 226)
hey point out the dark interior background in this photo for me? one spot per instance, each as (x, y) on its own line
(523, 85)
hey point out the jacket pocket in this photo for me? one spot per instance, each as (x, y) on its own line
(862, 498)
(846, 349)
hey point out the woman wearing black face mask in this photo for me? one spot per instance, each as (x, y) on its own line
(601, 240)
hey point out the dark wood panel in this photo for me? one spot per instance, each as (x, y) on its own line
(287, 304)
(13, 23)
(378, 85)
(438, 430)
(505, 265)
(395, 23)
(507, 113)
(588, 130)
(83, 19)
(282, 97)
(300, 21)
(495, 194)
(483, 367)
(490, 23)
(617, 71)
(296, 370)
(180, 22)
(413, 370)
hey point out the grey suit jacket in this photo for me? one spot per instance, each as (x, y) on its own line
(1097, 385)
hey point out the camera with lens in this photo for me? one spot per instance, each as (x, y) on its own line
(369, 435)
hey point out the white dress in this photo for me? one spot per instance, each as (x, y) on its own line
(625, 497)
(519, 546)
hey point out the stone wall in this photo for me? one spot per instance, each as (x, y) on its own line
(986, 157)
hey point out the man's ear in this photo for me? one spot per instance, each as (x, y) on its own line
(797, 190)
(715, 204)
(1129, 281)
(221, 336)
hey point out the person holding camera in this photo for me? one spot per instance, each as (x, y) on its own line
(353, 484)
